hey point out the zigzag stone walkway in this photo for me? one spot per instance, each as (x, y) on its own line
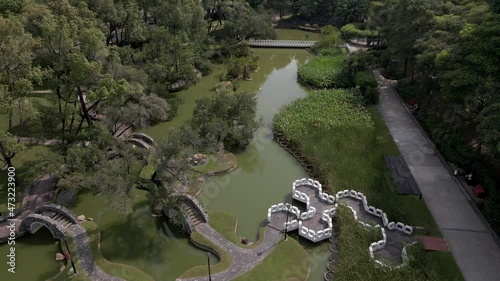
(391, 253)
(84, 255)
(243, 260)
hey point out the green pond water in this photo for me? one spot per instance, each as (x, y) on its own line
(264, 177)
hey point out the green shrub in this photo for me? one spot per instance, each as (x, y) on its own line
(367, 86)
(359, 61)
(321, 71)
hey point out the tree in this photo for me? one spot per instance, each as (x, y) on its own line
(330, 38)
(16, 67)
(9, 148)
(244, 22)
(241, 67)
(488, 127)
(279, 5)
(351, 10)
(228, 119)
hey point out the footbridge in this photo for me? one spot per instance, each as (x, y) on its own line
(281, 43)
(55, 217)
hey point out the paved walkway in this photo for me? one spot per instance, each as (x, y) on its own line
(84, 256)
(469, 239)
(243, 259)
(40, 193)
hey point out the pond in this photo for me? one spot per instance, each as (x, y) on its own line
(264, 177)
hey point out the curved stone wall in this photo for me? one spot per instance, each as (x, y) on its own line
(147, 139)
(58, 209)
(194, 203)
(32, 221)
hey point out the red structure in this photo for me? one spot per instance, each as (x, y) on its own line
(433, 243)
(479, 191)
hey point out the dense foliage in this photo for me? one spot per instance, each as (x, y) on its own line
(105, 68)
(323, 72)
(449, 53)
(229, 120)
(367, 86)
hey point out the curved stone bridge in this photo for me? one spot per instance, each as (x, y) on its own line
(55, 217)
(194, 212)
(141, 140)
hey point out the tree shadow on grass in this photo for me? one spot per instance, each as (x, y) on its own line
(139, 236)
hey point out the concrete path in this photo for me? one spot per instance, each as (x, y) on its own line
(472, 245)
(243, 259)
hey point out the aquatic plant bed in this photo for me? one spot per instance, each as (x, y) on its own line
(347, 143)
(323, 72)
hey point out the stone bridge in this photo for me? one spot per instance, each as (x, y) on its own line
(55, 217)
(316, 225)
(281, 43)
(141, 140)
(194, 213)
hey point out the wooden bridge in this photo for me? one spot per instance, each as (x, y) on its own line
(281, 43)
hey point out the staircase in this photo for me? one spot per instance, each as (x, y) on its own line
(59, 218)
(192, 215)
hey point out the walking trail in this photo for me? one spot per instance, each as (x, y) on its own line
(468, 236)
(243, 259)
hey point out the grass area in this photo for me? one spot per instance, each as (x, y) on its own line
(147, 172)
(21, 163)
(354, 241)
(295, 34)
(342, 139)
(218, 163)
(224, 262)
(45, 102)
(122, 271)
(288, 261)
(383, 136)
(226, 225)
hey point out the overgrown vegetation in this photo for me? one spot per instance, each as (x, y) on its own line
(354, 240)
(324, 72)
(341, 138)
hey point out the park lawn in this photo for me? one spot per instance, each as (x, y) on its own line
(125, 272)
(218, 163)
(226, 225)
(295, 34)
(225, 259)
(21, 163)
(42, 99)
(288, 261)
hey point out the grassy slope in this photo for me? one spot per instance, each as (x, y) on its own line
(223, 264)
(21, 163)
(226, 224)
(125, 272)
(288, 261)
